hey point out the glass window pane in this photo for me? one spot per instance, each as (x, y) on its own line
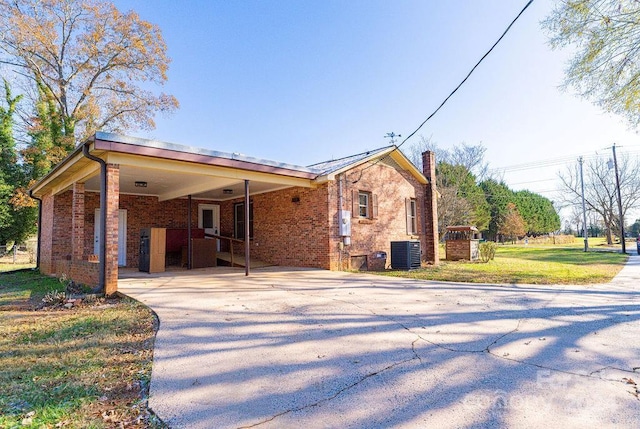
(363, 204)
(207, 218)
(414, 217)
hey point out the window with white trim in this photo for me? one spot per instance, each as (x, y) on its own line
(364, 204)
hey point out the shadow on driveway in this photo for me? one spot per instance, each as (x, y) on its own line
(319, 349)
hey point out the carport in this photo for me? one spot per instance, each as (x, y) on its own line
(111, 179)
(117, 200)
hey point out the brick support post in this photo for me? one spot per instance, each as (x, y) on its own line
(77, 222)
(113, 204)
(46, 235)
(430, 208)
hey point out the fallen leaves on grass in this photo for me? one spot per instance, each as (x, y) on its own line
(87, 366)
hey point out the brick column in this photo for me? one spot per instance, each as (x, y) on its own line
(113, 204)
(46, 235)
(77, 222)
(430, 208)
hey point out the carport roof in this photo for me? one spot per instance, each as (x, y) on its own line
(134, 145)
(172, 171)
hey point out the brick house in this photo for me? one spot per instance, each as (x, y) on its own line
(340, 214)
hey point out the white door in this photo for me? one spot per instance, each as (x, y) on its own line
(209, 220)
(122, 236)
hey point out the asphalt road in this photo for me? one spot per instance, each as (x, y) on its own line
(319, 349)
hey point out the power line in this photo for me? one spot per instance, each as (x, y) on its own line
(469, 74)
(554, 161)
(455, 89)
(542, 163)
(533, 181)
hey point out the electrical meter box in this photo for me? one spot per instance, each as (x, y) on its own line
(344, 219)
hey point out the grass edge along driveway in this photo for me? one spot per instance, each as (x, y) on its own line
(88, 366)
(515, 264)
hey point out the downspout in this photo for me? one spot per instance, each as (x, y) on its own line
(340, 207)
(189, 249)
(39, 227)
(102, 253)
(247, 229)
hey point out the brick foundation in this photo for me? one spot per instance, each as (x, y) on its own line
(83, 272)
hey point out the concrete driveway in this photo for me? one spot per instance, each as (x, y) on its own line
(318, 349)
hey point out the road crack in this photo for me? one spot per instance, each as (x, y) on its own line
(334, 396)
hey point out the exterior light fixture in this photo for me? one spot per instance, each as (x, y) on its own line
(227, 191)
(141, 184)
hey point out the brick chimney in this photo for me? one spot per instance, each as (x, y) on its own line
(430, 208)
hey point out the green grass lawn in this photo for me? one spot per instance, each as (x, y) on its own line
(84, 367)
(549, 264)
(4, 267)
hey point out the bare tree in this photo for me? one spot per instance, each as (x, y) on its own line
(415, 150)
(512, 225)
(452, 210)
(469, 156)
(94, 63)
(600, 192)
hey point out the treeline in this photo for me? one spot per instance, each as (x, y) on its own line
(469, 196)
(82, 66)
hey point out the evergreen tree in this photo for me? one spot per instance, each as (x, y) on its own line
(498, 195)
(17, 220)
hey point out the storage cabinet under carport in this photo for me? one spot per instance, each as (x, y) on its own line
(152, 249)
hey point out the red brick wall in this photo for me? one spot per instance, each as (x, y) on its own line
(61, 242)
(77, 222)
(292, 227)
(142, 212)
(84, 272)
(430, 209)
(391, 187)
(46, 235)
(111, 236)
(287, 233)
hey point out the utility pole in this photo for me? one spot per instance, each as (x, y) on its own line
(615, 165)
(584, 211)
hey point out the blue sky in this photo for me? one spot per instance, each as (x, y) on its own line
(305, 81)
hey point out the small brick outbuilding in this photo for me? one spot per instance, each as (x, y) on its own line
(331, 215)
(462, 242)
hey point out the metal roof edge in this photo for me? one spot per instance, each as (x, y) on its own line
(156, 144)
(58, 168)
(391, 151)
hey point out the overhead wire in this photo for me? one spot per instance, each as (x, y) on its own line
(504, 33)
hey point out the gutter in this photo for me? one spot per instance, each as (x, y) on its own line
(102, 253)
(39, 226)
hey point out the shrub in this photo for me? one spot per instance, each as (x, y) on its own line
(487, 251)
(53, 298)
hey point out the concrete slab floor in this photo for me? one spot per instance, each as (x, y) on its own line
(288, 348)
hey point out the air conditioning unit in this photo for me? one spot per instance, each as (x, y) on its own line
(405, 255)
